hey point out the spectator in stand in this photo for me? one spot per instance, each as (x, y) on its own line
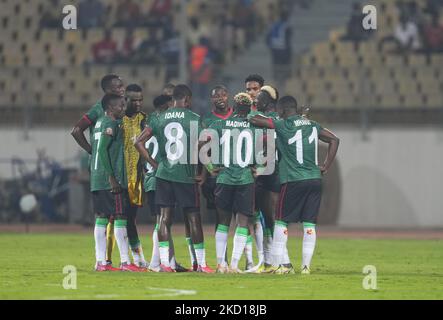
(195, 31)
(147, 52)
(91, 14)
(433, 7)
(105, 50)
(160, 8)
(201, 73)
(128, 14)
(279, 42)
(170, 51)
(245, 21)
(354, 28)
(433, 36)
(159, 14)
(406, 37)
(51, 17)
(127, 50)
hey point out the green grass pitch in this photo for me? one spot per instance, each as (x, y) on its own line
(32, 268)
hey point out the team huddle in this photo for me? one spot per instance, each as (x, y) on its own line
(255, 162)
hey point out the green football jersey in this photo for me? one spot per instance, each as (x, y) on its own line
(152, 147)
(177, 158)
(274, 116)
(297, 143)
(210, 118)
(99, 178)
(95, 113)
(236, 165)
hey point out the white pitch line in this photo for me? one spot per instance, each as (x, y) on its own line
(172, 292)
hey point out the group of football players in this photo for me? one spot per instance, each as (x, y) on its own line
(255, 161)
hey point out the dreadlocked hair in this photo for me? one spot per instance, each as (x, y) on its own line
(243, 99)
(273, 93)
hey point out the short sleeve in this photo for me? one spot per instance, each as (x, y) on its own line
(318, 126)
(279, 124)
(93, 113)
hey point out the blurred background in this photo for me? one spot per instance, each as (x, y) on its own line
(380, 91)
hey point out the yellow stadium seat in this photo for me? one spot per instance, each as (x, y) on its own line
(412, 100)
(434, 100)
(294, 87)
(339, 86)
(417, 60)
(5, 100)
(344, 101)
(124, 71)
(437, 60)
(336, 34)
(72, 99)
(321, 100)
(394, 61)
(378, 74)
(315, 86)
(402, 73)
(430, 87)
(407, 86)
(50, 100)
(73, 37)
(389, 101)
(384, 86)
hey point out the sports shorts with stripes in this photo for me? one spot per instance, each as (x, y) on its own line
(236, 198)
(182, 195)
(108, 204)
(299, 201)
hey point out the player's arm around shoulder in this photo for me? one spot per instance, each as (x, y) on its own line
(330, 138)
(261, 121)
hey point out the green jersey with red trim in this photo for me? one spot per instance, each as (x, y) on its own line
(297, 143)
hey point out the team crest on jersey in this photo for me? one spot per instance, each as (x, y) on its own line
(109, 131)
(310, 231)
(98, 124)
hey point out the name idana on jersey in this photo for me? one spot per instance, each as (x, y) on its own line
(175, 115)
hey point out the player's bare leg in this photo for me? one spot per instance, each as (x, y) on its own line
(221, 239)
(191, 249)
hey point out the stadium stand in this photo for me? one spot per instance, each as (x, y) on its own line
(398, 80)
(56, 68)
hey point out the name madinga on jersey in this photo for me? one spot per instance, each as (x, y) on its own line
(299, 123)
(175, 115)
(237, 124)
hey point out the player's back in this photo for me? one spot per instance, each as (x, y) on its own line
(235, 133)
(177, 131)
(297, 142)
